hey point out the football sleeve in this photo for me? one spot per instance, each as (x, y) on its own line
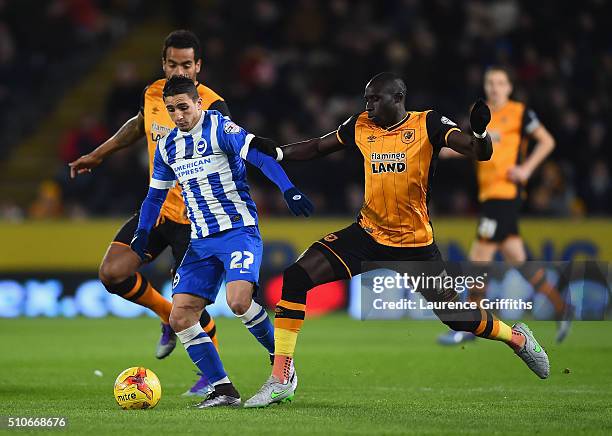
(163, 176)
(220, 106)
(142, 100)
(530, 121)
(162, 180)
(271, 169)
(232, 138)
(438, 129)
(346, 132)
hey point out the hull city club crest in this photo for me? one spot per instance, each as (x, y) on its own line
(408, 136)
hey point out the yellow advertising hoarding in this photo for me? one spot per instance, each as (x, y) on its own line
(80, 245)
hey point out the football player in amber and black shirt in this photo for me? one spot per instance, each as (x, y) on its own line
(400, 149)
(119, 270)
(502, 178)
(501, 182)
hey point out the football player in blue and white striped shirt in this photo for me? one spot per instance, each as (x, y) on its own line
(206, 154)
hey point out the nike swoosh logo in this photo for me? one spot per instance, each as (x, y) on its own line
(537, 348)
(274, 395)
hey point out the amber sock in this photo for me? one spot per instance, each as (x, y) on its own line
(144, 294)
(287, 324)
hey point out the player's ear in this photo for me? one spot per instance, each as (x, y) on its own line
(199, 103)
(198, 66)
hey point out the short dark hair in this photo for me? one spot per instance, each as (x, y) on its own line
(180, 85)
(183, 39)
(506, 71)
(387, 78)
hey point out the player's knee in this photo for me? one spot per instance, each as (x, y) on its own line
(296, 283)
(239, 306)
(180, 319)
(112, 273)
(239, 296)
(177, 322)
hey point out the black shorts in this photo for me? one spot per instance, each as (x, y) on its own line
(346, 249)
(498, 220)
(166, 233)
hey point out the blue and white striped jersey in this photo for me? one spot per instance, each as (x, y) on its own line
(208, 163)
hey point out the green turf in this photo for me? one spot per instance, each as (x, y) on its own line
(355, 377)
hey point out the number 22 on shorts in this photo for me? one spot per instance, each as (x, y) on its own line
(242, 260)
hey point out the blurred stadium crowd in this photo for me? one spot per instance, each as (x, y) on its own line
(294, 70)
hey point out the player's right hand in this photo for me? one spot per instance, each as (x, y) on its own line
(139, 244)
(84, 164)
(298, 203)
(480, 116)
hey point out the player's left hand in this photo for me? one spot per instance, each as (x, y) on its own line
(298, 203)
(139, 244)
(480, 116)
(267, 146)
(519, 174)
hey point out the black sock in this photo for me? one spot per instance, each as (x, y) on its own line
(227, 389)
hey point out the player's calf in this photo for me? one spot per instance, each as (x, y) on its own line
(256, 320)
(118, 273)
(252, 314)
(289, 317)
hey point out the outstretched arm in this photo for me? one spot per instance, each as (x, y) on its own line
(234, 140)
(312, 148)
(334, 141)
(303, 150)
(298, 203)
(477, 146)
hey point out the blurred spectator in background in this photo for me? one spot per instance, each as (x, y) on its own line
(7, 57)
(11, 212)
(125, 96)
(120, 183)
(82, 138)
(597, 191)
(552, 196)
(48, 203)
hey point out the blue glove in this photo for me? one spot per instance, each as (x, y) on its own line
(139, 244)
(298, 203)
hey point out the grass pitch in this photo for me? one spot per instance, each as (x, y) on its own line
(355, 377)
